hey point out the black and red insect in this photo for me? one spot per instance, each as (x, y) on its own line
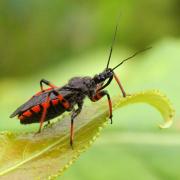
(54, 101)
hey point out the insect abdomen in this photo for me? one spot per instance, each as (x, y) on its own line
(33, 115)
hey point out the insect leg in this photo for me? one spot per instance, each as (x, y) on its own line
(74, 114)
(120, 85)
(47, 124)
(47, 83)
(45, 107)
(101, 94)
(108, 82)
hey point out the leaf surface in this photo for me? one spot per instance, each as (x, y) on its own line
(48, 154)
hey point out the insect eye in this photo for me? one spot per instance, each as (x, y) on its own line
(109, 73)
(103, 78)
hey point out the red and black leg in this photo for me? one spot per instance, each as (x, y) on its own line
(47, 83)
(45, 105)
(118, 81)
(105, 85)
(120, 85)
(101, 94)
(74, 114)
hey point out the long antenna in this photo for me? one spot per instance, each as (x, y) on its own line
(114, 38)
(136, 53)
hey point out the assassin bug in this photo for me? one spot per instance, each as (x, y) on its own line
(54, 101)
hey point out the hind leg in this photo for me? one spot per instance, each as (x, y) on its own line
(45, 107)
(47, 83)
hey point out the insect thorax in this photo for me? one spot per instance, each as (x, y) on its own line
(84, 84)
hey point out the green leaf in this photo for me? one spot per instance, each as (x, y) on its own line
(48, 154)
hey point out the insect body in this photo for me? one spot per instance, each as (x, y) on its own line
(54, 101)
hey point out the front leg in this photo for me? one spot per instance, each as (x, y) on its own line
(47, 83)
(120, 85)
(101, 94)
(74, 114)
(105, 85)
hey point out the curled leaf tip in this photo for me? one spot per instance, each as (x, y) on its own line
(154, 98)
(166, 125)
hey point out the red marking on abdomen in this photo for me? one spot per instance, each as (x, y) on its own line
(60, 97)
(27, 113)
(55, 102)
(21, 117)
(36, 109)
(64, 102)
(66, 105)
(45, 105)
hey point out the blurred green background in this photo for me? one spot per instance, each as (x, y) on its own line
(57, 40)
